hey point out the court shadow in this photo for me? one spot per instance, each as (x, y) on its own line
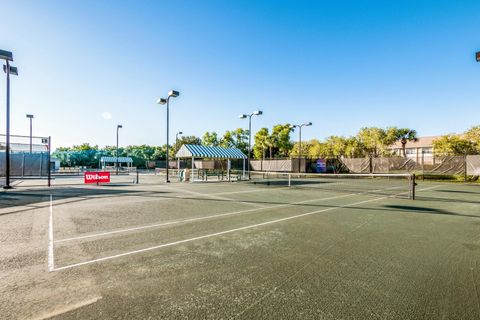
(458, 191)
(37, 199)
(416, 209)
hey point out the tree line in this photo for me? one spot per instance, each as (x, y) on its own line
(277, 143)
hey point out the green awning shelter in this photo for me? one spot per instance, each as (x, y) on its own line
(194, 151)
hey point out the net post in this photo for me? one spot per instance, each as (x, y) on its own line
(412, 186)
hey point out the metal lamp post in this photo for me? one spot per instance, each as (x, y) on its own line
(8, 56)
(171, 94)
(116, 160)
(176, 137)
(299, 126)
(176, 145)
(249, 116)
(30, 116)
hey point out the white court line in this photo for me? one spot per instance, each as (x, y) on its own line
(225, 232)
(200, 218)
(51, 261)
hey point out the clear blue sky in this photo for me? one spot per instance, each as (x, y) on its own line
(340, 64)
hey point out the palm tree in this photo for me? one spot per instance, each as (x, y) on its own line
(405, 135)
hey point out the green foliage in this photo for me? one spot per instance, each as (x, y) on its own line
(473, 135)
(261, 143)
(280, 139)
(237, 138)
(454, 145)
(210, 139)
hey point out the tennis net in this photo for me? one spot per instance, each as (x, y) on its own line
(393, 185)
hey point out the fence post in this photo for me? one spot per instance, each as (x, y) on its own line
(49, 162)
(465, 168)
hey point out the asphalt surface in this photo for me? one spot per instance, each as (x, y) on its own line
(238, 251)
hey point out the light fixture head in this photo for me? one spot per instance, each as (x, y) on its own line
(180, 132)
(13, 70)
(307, 124)
(30, 116)
(173, 93)
(477, 55)
(242, 116)
(258, 112)
(6, 55)
(162, 101)
(119, 126)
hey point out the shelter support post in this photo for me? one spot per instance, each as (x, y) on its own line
(229, 166)
(243, 174)
(193, 168)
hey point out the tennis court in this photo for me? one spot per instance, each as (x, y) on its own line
(266, 248)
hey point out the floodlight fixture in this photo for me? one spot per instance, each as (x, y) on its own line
(119, 126)
(13, 70)
(161, 101)
(6, 55)
(477, 55)
(242, 116)
(258, 113)
(30, 116)
(173, 93)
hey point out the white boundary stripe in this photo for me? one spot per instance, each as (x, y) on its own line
(51, 261)
(200, 218)
(223, 232)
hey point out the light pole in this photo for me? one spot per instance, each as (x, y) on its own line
(176, 137)
(299, 126)
(116, 160)
(176, 146)
(171, 94)
(249, 116)
(30, 116)
(8, 56)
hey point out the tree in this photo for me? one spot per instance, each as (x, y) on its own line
(210, 139)
(237, 138)
(405, 135)
(453, 145)
(261, 143)
(473, 135)
(376, 141)
(318, 149)
(280, 139)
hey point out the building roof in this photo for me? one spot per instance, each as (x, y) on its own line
(114, 159)
(422, 142)
(199, 151)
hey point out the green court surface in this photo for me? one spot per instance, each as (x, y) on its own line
(238, 250)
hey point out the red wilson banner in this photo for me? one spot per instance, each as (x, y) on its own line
(97, 177)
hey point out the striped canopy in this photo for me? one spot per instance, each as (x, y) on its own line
(198, 151)
(114, 159)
